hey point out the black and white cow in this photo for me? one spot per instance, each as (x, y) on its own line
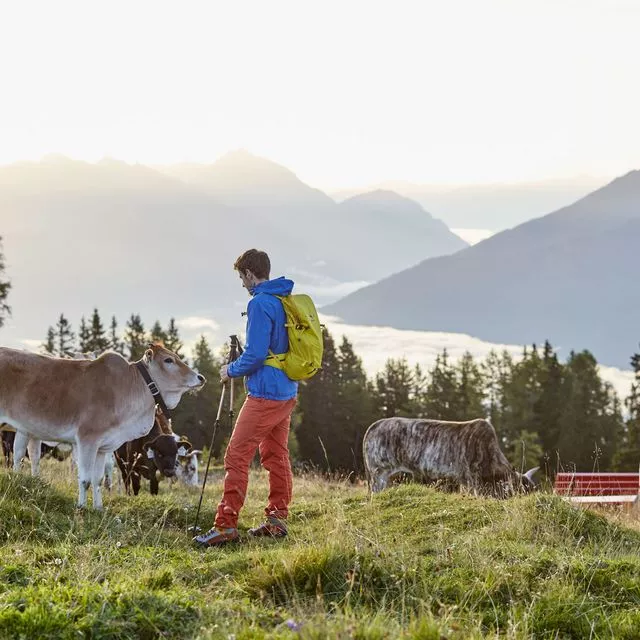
(452, 454)
(187, 468)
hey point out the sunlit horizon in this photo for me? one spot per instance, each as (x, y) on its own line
(343, 94)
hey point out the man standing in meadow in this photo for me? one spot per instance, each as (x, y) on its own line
(265, 417)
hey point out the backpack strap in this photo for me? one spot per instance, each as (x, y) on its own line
(276, 359)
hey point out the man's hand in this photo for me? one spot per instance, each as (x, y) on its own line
(224, 376)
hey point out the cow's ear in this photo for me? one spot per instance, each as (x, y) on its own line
(184, 447)
(148, 355)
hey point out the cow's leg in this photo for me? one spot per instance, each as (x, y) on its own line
(108, 471)
(135, 482)
(35, 452)
(19, 449)
(87, 452)
(96, 479)
(124, 471)
(153, 483)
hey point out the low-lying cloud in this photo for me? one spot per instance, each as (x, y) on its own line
(375, 345)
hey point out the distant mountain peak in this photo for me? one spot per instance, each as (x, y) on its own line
(108, 161)
(381, 195)
(57, 158)
(387, 200)
(243, 164)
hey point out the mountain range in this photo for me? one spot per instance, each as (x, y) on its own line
(132, 238)
(489, 206)
(567, 276)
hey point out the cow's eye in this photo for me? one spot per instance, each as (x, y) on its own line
(169, 360)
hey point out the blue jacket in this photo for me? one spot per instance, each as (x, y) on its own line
(265, 330)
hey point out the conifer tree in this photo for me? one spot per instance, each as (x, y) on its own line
(115, 344)
(135, 338)
(158, 334)
(196, 414)
(49, 345)
(355, 412)
(172, 339)
(628, 456)
(99, 341)
(441, 397)
(590, 423)
(470, 389)
(394, 387)
(5, 287)
(497, 370)
(319, 410)
(84, 336)
(64, 337)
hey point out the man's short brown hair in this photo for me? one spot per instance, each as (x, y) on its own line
(255, 261)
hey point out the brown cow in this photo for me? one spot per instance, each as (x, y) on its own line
(98, 405)
(453, 454)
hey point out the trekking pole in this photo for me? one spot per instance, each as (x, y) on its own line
(234, 351)
(195, 528)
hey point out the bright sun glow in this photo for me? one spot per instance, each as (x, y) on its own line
(344, 93)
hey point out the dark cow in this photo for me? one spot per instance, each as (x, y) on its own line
(157, 452)
(8, 438)
(452, 454)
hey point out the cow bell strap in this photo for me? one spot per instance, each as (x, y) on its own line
(153, 387)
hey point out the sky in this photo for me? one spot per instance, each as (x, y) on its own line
(343, 93)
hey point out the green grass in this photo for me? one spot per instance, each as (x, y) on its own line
(409, 563)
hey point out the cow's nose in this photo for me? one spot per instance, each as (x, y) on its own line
(201, 378)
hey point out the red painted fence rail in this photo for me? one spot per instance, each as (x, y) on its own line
(598, 487)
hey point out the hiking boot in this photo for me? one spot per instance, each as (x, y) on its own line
(217, 537)
(272, 527)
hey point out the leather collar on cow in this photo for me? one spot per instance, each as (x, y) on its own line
(153, 387)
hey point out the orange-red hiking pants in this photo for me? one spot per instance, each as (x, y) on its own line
(265, 424)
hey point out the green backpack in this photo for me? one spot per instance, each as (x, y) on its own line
(304, 358)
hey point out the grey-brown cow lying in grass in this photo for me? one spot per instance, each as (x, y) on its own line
(453, 454)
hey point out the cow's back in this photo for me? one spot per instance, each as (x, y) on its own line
(36, 387)
(463, 452)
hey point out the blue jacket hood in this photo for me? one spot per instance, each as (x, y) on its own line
(277, 287)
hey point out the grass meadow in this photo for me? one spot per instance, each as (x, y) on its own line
(407, 563)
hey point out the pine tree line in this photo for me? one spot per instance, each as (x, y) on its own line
(93, 337)
(559, 415)
(545, 412)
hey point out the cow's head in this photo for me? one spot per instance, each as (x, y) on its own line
(164, 450)
(187, 467)
(526, 481)
(172, 376)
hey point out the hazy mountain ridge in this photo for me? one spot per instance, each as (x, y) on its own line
(130, 238)
(577, 261)
(494, 207)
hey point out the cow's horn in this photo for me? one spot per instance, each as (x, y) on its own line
(530, 473)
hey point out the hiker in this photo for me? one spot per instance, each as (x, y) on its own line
(264, 420)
